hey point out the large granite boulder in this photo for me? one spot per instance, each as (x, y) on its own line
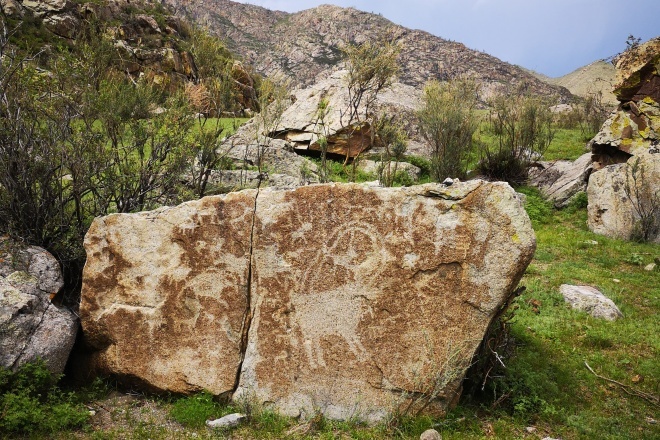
(561, 180)
(340, 298)
(32, 327)
(624, 199)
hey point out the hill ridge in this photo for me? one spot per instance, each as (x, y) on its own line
(303, 45)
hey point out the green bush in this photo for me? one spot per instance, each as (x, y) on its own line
(31, 402)
(422, 163)
(447, 121)
(523, 126)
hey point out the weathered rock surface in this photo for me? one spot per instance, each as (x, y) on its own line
(630, 130)
(31, 326)
(637, 72)
(165, 293)
(590, 300)
(300, 127)
(276, 155)
(341, 298)
(624, 199)
(223, 181)
(634, 126)
(561, 180)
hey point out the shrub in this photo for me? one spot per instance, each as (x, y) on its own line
(523, 127)
(30, 402)
(393, 138)
(447, 120)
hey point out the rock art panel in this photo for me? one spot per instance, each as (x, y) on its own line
(340, 298)
(363, 296)
(165, 293)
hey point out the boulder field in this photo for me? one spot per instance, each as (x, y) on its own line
(340, 298)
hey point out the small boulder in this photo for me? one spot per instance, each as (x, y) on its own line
(31, 326)
(590, 300)
(371, 166)
(561, 180)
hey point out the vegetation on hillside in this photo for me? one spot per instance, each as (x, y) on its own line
(80, 138)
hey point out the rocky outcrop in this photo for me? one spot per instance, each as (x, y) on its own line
(561, 180)
(590, 300)
(637, 73)
(306, 44)
(31, 327)
(635, 126)
(624, 200)
(343, 299)
(300, 127)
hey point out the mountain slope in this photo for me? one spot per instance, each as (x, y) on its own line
(305, 44)
(595, 77)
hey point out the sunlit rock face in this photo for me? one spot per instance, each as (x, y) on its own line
(345, 299)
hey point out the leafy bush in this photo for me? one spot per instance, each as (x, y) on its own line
(447, 120)
(523, 126)
(422, 163)
(30, 402)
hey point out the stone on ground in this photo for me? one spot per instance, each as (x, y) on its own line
(590, 300)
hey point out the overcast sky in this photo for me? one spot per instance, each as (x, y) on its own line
(553, 37)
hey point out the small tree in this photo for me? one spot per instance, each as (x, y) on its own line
(594, 114)
(523, 127)
(448, 120)
(323, 131)
(372, 67)
(391, 136)
(273, 100)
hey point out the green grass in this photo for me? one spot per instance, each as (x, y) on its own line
(568, 144)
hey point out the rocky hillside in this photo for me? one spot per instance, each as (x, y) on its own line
(592, 78)
(148, 41)
(305, 44)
